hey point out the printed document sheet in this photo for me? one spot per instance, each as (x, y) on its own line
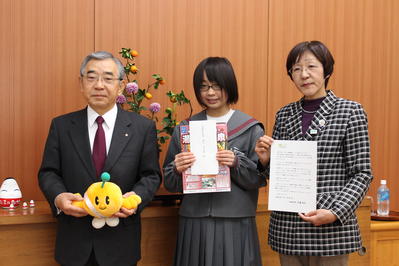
(293, 174)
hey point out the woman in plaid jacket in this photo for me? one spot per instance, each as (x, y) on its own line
(328, 234)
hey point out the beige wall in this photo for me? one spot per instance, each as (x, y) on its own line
(43, 42)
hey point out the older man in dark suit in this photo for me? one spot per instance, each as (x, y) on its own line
(81, 145)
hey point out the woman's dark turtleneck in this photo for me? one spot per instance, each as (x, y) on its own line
(311, 106)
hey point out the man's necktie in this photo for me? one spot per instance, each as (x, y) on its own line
(99, 150)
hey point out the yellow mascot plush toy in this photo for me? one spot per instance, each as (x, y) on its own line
(103, 199)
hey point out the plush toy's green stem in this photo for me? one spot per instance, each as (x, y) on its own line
(105, 177)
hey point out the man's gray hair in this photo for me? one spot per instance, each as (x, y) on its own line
(102, 55)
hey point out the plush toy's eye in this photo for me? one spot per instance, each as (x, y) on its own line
(107, 200)
(96, 200)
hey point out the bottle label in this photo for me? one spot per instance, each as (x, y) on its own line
(384, 195)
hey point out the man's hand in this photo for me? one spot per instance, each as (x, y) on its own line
(262, 149)
(319, 217)
(64, 202)
(123, 212)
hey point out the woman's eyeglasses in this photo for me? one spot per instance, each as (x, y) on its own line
(206, 87)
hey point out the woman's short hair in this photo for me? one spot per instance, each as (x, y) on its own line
(319, 50)
(220, 71)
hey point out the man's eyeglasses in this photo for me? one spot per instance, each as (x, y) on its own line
(93, 78)
(206, 87)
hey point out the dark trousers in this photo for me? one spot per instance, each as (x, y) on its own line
(93, 261)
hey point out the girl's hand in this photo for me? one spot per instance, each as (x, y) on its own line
(183, 161)
(226, 157)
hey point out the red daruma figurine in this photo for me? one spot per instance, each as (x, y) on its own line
(10, 193)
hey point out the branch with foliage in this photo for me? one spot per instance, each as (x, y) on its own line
(133, 97)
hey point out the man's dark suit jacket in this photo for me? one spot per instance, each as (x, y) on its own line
(67, 166)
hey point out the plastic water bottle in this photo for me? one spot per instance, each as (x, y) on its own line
(383, 199)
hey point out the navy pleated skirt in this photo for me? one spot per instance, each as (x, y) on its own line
(217, 242)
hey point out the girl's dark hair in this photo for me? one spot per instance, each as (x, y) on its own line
(220, 71)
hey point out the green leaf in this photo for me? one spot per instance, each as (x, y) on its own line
(139, 98)
(166, 120)
(170, 130)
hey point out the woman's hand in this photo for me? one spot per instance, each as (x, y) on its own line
(262, 149)
(319, 217)
(226, 157)
(183, 161)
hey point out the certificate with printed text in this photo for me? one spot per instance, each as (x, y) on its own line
(293, 175)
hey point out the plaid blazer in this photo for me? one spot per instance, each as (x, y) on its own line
(343, 178)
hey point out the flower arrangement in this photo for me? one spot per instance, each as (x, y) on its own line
(133, 97)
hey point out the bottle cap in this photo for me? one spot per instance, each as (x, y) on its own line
(383, 182)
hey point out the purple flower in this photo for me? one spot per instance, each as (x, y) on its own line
(132, 87)
(155, 107)
(121, 99)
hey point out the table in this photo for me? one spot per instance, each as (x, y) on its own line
(27, 236)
